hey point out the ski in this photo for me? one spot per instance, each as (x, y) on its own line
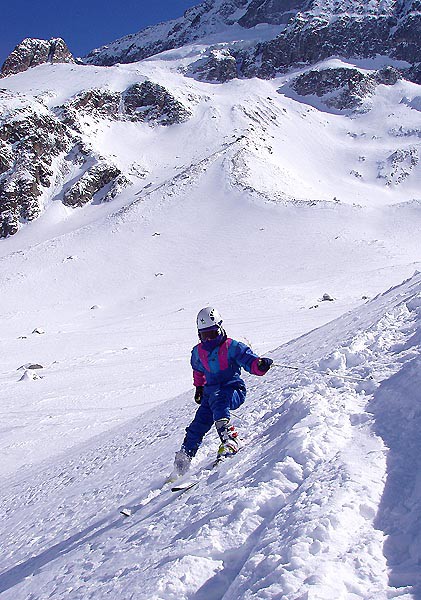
(207, 471)
(183, 487)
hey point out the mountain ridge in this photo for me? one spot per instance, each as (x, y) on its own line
(308, 31)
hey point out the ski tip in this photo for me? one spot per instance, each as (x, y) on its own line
(183, 488)
(126, 512)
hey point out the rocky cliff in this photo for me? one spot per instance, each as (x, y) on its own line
(349, 29)
(306, 31)
(45, 151)
(32, 52)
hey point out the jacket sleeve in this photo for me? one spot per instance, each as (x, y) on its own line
(198, 371)
(247, 359)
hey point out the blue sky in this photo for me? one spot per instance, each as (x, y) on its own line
(84, 25)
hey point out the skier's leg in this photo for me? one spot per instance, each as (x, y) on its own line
(222, 402)
(197, 429)
(225, 399)
(195, 432)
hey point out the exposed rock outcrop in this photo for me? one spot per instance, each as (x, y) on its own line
(270, 11)
(326, 29)
(33, 52)
(152, 102)
(398, 166)
(343, 88)
(309, 31)
(30, 141)
(219, 66)
(6, 157)
(41, 147)
(312, 39)
(97, 103)
(103, 179)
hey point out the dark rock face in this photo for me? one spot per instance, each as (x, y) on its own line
(146, 101)
(32, 52)
(309, 31)
(29, 142)
(6, 157)
(151, 102)
(311, 37)
(414, 73)
(219, 66)
(102, 102)
(387, 76)
(94, 181)
(40, 147)
(398, 165)
(96, 102)
(270, 11)
(343, 88)
(309, 41)
(406, 37)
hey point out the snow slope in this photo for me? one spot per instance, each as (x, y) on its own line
(252, 205)
(261, 216)
(321, 503)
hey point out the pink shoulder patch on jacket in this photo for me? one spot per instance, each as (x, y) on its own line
(223, 354)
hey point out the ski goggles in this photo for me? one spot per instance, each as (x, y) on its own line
(207, 335)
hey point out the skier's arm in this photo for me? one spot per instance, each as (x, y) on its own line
(199, 378)
(246, 358)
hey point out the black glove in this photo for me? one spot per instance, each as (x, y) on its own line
(198, 394)
(264, 364)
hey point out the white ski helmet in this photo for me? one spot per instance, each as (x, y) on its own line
(208, 317)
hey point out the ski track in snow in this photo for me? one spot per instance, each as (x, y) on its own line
(330, 467)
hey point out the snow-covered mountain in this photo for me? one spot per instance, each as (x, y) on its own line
(132, 195)
(59, 122)
(47, 145)
(269, 36)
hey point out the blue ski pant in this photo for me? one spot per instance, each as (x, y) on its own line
(217, 402)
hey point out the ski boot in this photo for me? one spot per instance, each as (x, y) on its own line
(230, 443)
(181, 465)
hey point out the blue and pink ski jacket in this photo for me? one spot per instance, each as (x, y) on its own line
(222, 365)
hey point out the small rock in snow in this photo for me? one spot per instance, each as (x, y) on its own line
(30, 366)
(38, 330)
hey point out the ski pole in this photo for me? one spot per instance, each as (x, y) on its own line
(306, 369)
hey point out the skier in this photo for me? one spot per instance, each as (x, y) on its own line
(216, 361)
